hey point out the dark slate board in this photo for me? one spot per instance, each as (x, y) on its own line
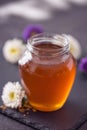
(84, 127)
(41, 125)
(73, 115)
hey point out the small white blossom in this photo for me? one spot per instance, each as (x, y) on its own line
(75, 47)
(13, 94)
(13, 49)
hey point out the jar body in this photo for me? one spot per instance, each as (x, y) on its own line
(47, 80)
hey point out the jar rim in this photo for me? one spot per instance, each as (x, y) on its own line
(56, 39)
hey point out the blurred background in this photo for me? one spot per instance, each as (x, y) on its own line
(59, 16)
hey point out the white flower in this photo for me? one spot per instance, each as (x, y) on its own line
(13, 49)
(75, 47)
(13, 94)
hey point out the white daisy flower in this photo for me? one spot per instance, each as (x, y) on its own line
(75, 47)
(13, 49)
(13, 94)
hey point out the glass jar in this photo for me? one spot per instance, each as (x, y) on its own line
(47, 71)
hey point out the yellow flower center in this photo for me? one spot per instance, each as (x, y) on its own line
(11, 95)
(14, 50)
(71, 48)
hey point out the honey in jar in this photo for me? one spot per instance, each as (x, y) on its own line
(47, 71)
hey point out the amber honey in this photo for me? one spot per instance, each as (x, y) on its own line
(48, 78)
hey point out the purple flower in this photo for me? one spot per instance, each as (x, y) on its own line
(31, 30)
(83, 65)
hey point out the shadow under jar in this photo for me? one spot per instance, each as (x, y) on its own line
(47, 71)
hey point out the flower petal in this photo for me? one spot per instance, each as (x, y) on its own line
(83, 64)
(31, 30)
(12, 94)
(75, 47)
(13, 49)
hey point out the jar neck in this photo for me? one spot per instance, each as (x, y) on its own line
(48, 45)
